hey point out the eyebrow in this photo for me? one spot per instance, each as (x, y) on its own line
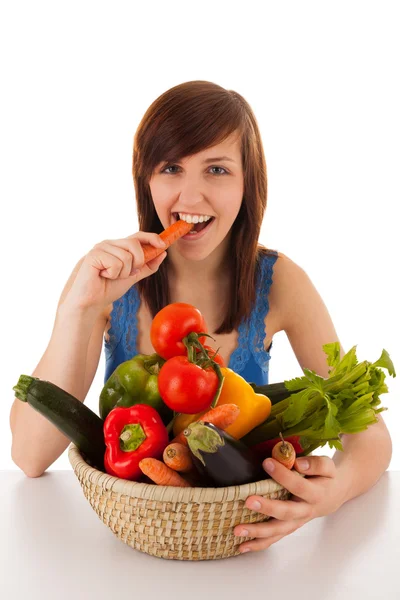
(218, 158)
(206, 161)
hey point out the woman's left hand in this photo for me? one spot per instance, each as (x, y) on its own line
(318, 496)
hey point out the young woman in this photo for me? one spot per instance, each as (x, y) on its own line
(198, 156)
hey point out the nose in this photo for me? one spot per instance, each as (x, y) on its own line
(191, 192)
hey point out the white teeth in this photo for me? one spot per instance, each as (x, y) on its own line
(194, 218)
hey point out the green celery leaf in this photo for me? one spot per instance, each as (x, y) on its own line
(386, 362)
(344, 398)
(360, 387)
(345, 379)
(332, 425)
(336, 444)
(358, 422)
(331, 405)
(315, 379)
(309, 444)
(297, 383)
(321, 409)
(360, 401)
(376, 401)
(348, 362)
(377, 380)
(333, 354)
(296, 409)
(279, 420)
(319, 422)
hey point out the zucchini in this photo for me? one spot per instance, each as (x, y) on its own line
(275, 391)
(75, 420)
(221, 459)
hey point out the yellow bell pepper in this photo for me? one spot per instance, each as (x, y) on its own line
(254, 408)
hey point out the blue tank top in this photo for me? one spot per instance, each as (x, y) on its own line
(249, 359)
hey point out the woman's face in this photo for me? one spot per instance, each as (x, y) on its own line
(207, 184)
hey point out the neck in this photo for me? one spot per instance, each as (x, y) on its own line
(212, 270)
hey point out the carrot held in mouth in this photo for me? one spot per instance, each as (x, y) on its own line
(169, 236)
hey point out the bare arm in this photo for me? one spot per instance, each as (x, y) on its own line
(305, 318)
(308, 326)
(72, 356)
(70, 361)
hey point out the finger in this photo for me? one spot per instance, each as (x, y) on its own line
(133, 245)
(266, 542)
(156, 262)
(146, 237)
(108, 265)
(289, 479)
(141, 256)
(284, 510)
(122, 254)
(268, 528)
(262, 542)
(259, 544)
(322, 466)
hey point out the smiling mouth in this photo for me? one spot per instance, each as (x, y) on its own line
(196, 226)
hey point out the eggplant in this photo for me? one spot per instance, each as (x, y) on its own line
(221, 459)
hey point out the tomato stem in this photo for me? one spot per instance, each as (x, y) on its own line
(203, 359)
(191, 353)
(220, 384)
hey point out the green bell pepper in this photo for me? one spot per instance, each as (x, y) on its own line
(135, 381)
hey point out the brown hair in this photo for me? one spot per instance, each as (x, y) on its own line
(187, 119)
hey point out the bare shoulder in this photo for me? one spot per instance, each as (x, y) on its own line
(302, 314)
(283, 274)
(287, 279)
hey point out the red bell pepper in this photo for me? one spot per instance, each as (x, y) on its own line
(130, 434)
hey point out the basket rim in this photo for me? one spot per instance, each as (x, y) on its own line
(167, 492)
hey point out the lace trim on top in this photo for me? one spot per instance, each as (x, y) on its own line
(115, 331)
(124, 325)
(251, 331)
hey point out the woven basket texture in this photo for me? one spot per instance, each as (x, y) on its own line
(169, 522)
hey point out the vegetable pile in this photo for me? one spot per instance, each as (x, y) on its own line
(319, 410)
(180, 417)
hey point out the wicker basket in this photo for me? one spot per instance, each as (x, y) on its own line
(169, 522)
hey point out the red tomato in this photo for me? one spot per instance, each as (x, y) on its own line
(217, 357)
(173, 323)
(186, 387)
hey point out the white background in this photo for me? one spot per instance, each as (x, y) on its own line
(322, 79)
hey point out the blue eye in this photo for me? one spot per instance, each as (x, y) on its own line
(221, 168)
(165, 170)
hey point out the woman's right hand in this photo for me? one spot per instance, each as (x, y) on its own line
(110, 268)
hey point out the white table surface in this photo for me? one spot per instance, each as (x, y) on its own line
(54, 546)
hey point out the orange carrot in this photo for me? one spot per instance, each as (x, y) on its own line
(178, 457)
(161, 474)
(169, 236)
(221, 416)
(284, 452)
